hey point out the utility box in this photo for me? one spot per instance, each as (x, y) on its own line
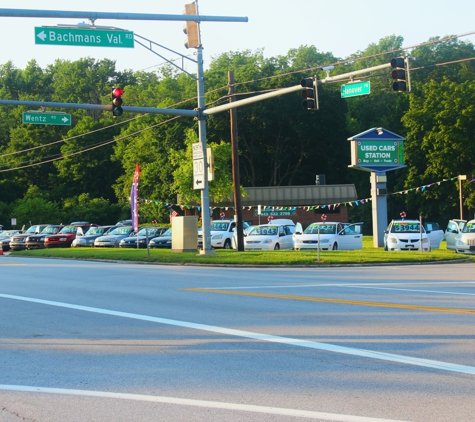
(185, 234)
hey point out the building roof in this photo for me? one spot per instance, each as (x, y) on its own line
(295, 195)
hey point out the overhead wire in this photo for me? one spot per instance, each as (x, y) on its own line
(222, 98)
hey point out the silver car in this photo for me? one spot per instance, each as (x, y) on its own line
(87, 239)
(113, 238)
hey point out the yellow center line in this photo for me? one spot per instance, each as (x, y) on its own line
(331, 300)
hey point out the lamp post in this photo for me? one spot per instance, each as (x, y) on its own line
(461, 177)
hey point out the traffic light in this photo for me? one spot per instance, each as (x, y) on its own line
(398, 74)
(191, 28)
(117, 101)
(308, 94)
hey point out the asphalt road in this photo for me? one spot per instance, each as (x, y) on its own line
(90, 341)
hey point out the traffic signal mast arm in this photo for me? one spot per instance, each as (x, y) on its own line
(283, 91)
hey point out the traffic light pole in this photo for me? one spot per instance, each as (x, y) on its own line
(205, 215)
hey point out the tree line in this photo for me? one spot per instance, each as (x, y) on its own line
(86, 169)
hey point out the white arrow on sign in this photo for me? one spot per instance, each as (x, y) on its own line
(42, 35)
(65, 119)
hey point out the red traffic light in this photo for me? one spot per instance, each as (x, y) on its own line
(117, 92)
(117, 101)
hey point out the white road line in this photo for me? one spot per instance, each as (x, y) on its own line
(408, 360)
(414, 290)
(201, 403)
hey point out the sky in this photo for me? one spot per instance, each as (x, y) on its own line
(340, 27)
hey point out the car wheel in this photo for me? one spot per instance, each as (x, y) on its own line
(276, 247)
(227, 244)
(335, 246)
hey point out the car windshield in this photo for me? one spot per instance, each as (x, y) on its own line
(167, 233)
(31, 229)
(95, 231)
(264, 231)
(469, 227)
(69, 229)
(324, 228)
(220, 226)
(49, 230)
(8, 233)
(121, 230)
(151, 231)
(406, 227)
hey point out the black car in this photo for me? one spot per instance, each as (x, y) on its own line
(163, 241)
(37, 241)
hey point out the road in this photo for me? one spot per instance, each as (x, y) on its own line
(96, 341)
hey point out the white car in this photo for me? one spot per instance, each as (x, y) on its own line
(273, 236)
(454, 229)
(465, 241)
(434, 233)
(406, 235)
(329, 235)
(221, 233)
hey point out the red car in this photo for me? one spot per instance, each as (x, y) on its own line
(66, 235)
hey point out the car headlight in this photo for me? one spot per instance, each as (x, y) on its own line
(62, 239)
(268, 241)
(324, 240)
(217, 236)
(392, 239)
(142, 241)
(425, 240)
(458, 242)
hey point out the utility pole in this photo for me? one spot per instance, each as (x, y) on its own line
(235, 166)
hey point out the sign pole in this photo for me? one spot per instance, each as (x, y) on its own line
(205, 214)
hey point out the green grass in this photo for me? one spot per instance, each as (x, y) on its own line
(369, 254)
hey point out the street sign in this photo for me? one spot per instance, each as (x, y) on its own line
(197, 150)
(46, 118)
(84, 37)
(198, 173)
(353, 90)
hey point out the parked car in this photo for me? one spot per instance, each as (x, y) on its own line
(146, 233)
(434, 233)
(273, 236)
(454, 229)
(64, 238)
(18, 242)
(329, 235)
(465, 241)
(5, 237)
(247, 226)
(113, 238)
(163, 241)
(406, 235)
(221, 233)
(37, 241)
(87, 239)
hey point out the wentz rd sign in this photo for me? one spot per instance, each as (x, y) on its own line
(46, 118)
(84, 37)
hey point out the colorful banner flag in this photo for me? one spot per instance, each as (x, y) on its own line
(134, 199)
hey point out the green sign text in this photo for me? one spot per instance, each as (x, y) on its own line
(84, 37)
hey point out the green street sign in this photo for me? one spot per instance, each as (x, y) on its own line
(46, 118)
(378, 152)
(353, 90)
(84, 37)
